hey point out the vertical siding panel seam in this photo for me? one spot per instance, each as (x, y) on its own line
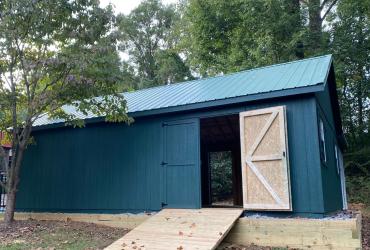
(307, 165)
(317, 157)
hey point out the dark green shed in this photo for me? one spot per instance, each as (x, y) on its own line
(166, 157)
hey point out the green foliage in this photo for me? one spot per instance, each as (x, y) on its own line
(147, 36)
(357, 168)
(55, 53)
(351, 48)
(358, 163)
(221, 175)
(171, 68)
(350, 34)
(227, 36)
(358, 188)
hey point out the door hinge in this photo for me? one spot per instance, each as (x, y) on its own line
(163, 204)
(163, 163)
(164, 124)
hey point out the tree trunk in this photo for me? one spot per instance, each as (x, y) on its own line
(360, 109)
(295, 10)
(315, 26)
(10, 207)
(359, 84)
(13, 180)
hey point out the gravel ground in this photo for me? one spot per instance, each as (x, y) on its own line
(342, 215)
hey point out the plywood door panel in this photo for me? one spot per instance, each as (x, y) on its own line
(265, 170)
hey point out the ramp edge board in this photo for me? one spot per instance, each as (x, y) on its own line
(181, 229)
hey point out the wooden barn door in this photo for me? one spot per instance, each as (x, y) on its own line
(265, 170)
(180, 166)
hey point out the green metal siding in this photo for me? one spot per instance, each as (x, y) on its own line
(330, 177)
(103, 167)
(114, 167)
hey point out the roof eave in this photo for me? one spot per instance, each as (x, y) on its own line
(201, 105)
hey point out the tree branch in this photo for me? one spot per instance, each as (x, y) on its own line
(56, 80)
(24, 71)
(35, 78)
(13, 103)
(42, 104)
(323, 4)
(328, 9)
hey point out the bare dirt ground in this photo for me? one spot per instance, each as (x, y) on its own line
(53, 235)
(366, 232)
(365, 211)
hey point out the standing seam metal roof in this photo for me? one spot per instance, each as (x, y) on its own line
(291, 75)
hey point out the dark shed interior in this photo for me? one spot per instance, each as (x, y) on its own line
(220, 161)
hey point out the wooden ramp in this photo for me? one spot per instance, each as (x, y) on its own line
(180, 229)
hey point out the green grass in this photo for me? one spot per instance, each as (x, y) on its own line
(58, 236)
(15, 246)
(60, 239)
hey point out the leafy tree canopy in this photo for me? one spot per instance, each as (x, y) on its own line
(350, 44)
(147, 36)
(227, 36)
(53, 53)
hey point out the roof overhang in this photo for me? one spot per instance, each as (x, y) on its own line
(203, 105)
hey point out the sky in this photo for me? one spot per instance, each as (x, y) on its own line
(125, 6)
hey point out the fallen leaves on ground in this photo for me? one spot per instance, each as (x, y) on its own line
(48, 235)
(51, 235)
(366, 233)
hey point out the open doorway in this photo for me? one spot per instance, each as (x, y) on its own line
(221, 167)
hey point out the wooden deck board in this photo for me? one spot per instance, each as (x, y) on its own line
(180, 229)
